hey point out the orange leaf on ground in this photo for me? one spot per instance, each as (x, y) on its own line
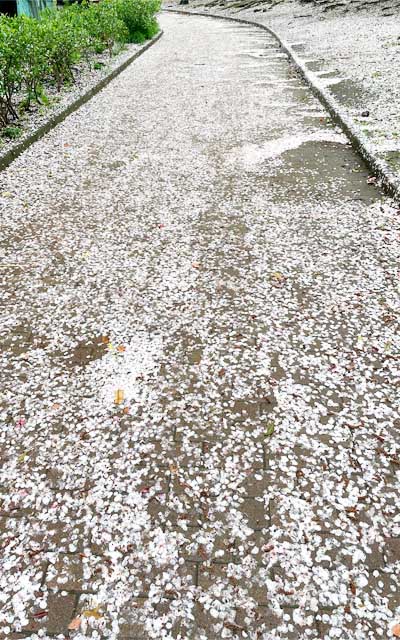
(119, 396)
(74, 624)
(121, 348)
(105, 339)
(396, 630)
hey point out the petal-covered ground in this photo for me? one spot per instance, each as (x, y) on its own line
(199, 361)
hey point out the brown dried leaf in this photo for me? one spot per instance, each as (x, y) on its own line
(267, 548)
(233, 627)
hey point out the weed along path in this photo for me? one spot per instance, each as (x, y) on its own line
(199, 361)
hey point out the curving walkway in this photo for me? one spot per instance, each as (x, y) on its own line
(199, 361)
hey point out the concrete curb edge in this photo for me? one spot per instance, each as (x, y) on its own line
(8, 156)
(380, 168)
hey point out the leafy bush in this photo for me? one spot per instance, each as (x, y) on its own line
(104, 26)
(138, 15)
(34, 52)
(11, 132)
(34, 59)
(63, 43)
(11, 57)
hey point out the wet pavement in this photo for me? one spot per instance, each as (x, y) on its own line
(199, 361)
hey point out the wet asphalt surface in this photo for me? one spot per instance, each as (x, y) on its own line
(199, 361)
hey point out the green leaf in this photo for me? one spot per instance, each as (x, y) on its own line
(269, 430)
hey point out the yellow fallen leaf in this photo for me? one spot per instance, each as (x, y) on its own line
(278, 276)
(22, 457)
(92, 613)
(74, 624)
(119, 396)
(6, 194)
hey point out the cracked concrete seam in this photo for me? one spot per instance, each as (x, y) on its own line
(389, 179)
(10, 154)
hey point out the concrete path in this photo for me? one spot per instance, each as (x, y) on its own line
(199, 361)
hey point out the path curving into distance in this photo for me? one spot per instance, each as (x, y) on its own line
(199, 361)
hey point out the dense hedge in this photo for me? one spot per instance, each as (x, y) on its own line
(36, 53)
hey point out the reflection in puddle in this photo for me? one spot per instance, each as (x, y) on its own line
(252, 154)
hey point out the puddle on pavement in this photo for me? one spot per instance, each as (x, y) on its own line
(393, 159)
(320, 169)
(329, 75)
(349, 93)
(254, 154)
(315, 65)
(301, 94)
(86, 351)
(195, 356)
(21, 339)
(298, 46)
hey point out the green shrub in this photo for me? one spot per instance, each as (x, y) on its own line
(64, 43)
(11, 132)
(36, 52)
(34, 60)
(138, 15)
(11, 59)
(104, 26)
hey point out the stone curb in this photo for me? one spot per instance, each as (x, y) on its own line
(9, 155)
(380, 168)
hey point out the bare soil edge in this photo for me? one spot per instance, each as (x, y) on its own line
(9, 155)
(378, 166)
